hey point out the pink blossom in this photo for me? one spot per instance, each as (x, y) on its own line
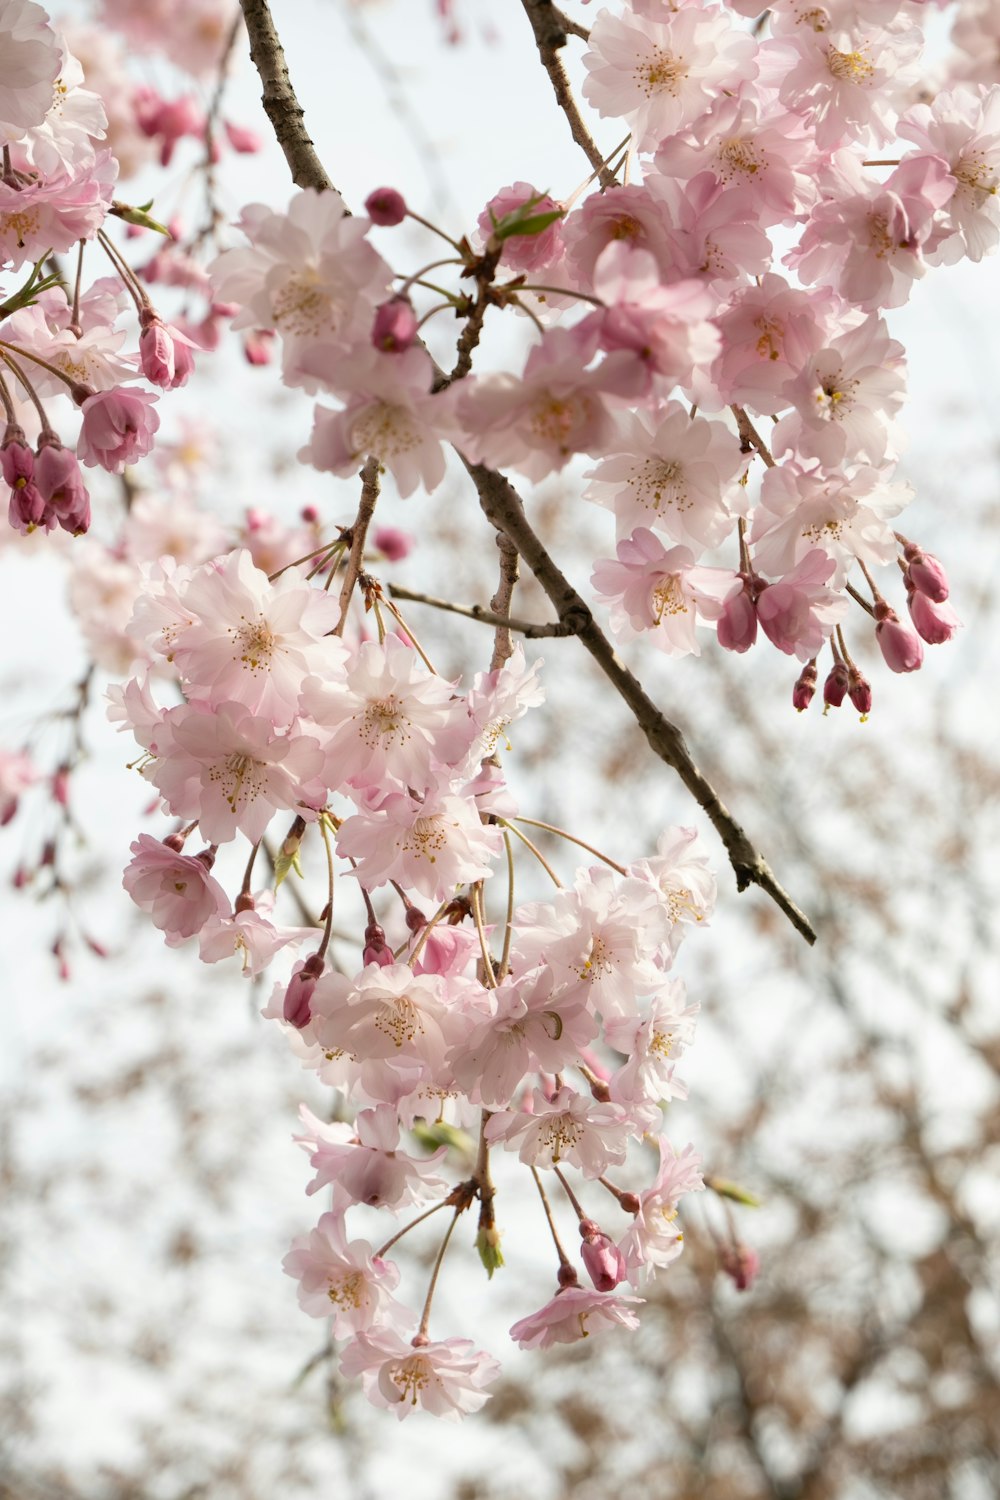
(118, 427)
(652, 1042)
(429, 846)
(342, 1280)
(232, 771)
(604, 1261)
(660, 75)
(310, 274)
(798, 612)
(395, 327)
(661, 592)
(531, 254)
(252, 641)
(569, 1127)
(534, 1026)
(683, 877)
(845, 82)
(655, 1238)
(391, 414)
(535, 423)
(801, 508)
(386, 1013)
(446, 1378)
(565, 1319)
(364, 1161)
(962, 128)
(17, 773)
(29, 65)
(673, 476)
(845, 397)
(769, 332)
(391, 719)
(39, 214)
(177, 890)
(629, 215)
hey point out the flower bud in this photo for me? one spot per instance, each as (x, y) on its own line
(859, 690)
(603, 1260)
(297, 1007)
(737, 627)
(899, 645)
(741, 1263)
(376, 949)
(395, 326)
(805, 686)
(393, 544)
(246, 142)
(17, 461)
(386, 207)
(926, 574)
(835, 686)
(935, 623)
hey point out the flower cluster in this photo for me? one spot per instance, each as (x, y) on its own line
(552, 1033)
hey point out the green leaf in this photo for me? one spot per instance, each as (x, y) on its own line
(732, 1190)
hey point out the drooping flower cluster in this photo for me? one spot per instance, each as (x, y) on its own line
(553, 1033)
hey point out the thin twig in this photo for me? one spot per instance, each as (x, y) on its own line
(527, 628)
(359, 531)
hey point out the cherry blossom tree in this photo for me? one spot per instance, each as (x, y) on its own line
(699, 340)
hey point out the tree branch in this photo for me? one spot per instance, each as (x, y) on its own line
(280, 104)
(359, 531)
(549, 27)
(502, 506)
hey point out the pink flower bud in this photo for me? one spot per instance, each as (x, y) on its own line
(899, 645)
(60, 786)
(393, 544)
(395, 326)
(737, 627)
(246, 142)
(836, 685)
(257, 348)
(309, 514)
(603, 1260)
(16, 459)
(935, 622)
(298, 996)
(28, 510)
(60, 481)
(860, 692)
(376, 949)
(741, 1263)
(805, 686)
(926, 574)
(386, 207)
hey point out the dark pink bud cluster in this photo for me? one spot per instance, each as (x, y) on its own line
(46, 487)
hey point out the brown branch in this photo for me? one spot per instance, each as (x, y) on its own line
(280, 104)
(358, 533)
(502, 505)
(750, 437)
(510, 567)
(549, 27)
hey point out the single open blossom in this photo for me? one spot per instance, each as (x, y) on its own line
(118, 427)
(364, 1161)
(569, 1127)
(575, 1313)
(768, 332)
(310, 274)
(177, 890)
(429, 846)
(252, 641)
(847, 515)
(845, 397)
(53, 212)
(798, 612)
(391, 718)
(534, 1025)
(661, 592)
(655, 1238)
(342, 1280)
(672, 476)
(386, 1013)
(961, 128)
(446, 1378)
(652, 1042)
(230, 769)
(660, 75)
(683, 877)
(29, 64)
